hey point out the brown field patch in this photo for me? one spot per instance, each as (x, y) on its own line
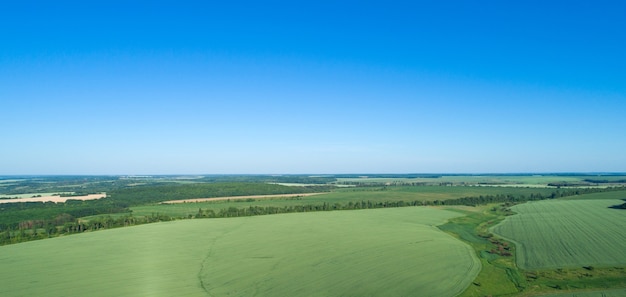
(55, 198)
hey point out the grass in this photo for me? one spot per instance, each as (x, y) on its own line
(499, 276)
(381, 252)
(567, 233)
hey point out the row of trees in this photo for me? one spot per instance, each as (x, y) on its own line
(66, 224)
(266, 210)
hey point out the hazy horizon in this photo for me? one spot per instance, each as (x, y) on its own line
(362, 174)
(186, 88)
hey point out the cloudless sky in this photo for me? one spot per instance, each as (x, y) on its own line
(211, 87)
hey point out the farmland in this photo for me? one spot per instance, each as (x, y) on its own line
(420, 194)
(575, 233)
(534, 180)
(268, 236)
(501, 276)
(390, 252)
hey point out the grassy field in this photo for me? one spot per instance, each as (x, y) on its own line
(567, 233)
(382, 252)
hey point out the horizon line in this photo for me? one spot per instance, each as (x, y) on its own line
(330, 174)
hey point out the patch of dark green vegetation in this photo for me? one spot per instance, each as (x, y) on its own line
(605, 181)
(152, 194)
(619, 206)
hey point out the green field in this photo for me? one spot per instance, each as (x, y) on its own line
(567, 233)
(382, 252)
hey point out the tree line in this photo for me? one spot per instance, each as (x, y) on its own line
(65, 224)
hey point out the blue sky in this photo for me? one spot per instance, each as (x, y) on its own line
(183, 87)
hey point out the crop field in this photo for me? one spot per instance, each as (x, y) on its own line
(567, 233)
(381, 252)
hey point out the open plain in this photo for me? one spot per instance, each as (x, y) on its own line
(382, 252)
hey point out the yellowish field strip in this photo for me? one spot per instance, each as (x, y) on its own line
(55, 199)
(241, 197)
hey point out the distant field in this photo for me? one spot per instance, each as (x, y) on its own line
(56, 198)
(467, 179)
(295, 184)
(567, 233)
(414, 193)
(382, 252)
(27, 195)
(240, 197)
(529, 180)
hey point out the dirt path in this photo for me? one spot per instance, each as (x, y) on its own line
(240, 197)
